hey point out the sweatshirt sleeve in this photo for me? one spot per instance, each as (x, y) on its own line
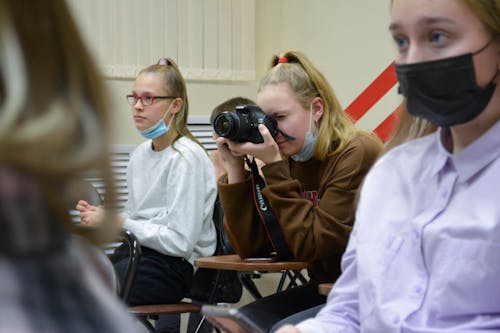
(245, 235)
(316, 231)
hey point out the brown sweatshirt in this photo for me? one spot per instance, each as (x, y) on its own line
(314, 201)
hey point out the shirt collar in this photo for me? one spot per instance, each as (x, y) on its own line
(473, 158)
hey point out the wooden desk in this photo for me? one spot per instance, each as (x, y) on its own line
(324, 288)
(234, 262)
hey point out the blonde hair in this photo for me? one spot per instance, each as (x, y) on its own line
(175, 85)
(53, 116)
(488, 12)
(409, 128)
(336, 129)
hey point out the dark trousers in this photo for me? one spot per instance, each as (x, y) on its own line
(267, 311)
(160, 279)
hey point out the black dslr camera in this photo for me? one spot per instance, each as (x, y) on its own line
(242, 125)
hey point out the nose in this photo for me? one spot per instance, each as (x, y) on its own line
(286, 136)
(138, 104)
(415, 53)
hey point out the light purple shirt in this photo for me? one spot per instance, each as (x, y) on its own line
(424, 254)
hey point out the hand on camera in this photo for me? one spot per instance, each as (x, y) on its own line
(229, 152)
(233, 152)
(267, 152)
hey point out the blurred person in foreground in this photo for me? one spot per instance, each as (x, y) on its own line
(424, 253)
(53, 125)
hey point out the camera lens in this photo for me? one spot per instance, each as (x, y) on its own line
(224, 124)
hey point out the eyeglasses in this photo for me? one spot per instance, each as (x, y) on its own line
(146, 99)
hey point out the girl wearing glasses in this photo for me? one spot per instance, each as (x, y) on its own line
(171, 192)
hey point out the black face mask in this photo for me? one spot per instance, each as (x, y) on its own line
(445, 91)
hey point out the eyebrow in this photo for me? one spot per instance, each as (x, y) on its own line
(143, 93)
(424, 22)
(273, 113)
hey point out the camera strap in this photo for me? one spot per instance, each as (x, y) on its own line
(266, 215)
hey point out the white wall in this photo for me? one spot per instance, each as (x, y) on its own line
(347, 39)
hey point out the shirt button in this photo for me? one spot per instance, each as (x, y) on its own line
(444, 194)
(396, 319)
(417, 234)
(417, 289)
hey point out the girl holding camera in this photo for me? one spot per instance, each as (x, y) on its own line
(313, 168)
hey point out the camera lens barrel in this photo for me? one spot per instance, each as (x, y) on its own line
(235, 126)
(242, 125)
(225, 124)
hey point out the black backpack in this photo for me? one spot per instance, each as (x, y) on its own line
(229, 288)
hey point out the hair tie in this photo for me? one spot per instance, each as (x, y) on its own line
(163, 61)
(282, 60)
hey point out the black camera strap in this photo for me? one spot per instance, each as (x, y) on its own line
(266, 215)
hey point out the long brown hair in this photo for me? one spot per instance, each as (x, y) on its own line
(53, 113)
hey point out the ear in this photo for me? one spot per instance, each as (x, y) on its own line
(317, 108)
(177, 105)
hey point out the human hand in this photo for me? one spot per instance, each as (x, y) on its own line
(288, 329)
(267, 151)
(233, 160)
(90, 214)
(259, 163)
(229, 152)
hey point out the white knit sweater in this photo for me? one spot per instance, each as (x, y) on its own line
(171, 197)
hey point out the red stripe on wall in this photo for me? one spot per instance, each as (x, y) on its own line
(372, 94)
(386, 128)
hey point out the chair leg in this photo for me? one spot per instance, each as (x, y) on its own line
(282, 281)
(250, 286)
(144, 321)
(293, 280)
(202, 320)
(295, 276)
(298, 275)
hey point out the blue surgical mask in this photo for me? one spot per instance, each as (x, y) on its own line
(307, 151)
(158, 129)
